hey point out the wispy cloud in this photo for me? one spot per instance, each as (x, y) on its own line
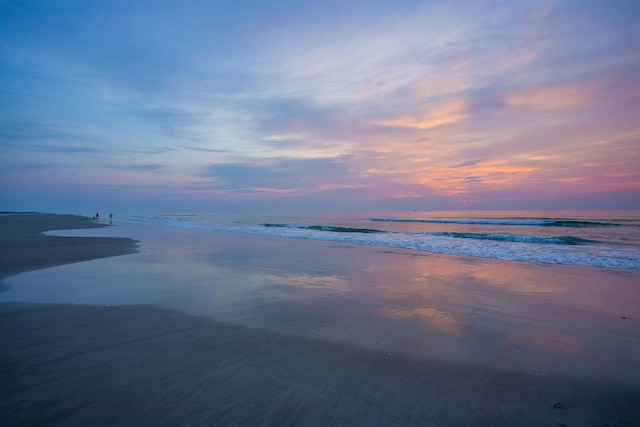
(431, 117)
(549, 98)
(148, 167)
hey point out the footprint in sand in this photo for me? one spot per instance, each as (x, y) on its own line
(558, 407)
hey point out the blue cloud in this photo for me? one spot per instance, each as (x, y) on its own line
(281, 174)
(145, 167)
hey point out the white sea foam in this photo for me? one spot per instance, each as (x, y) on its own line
(498, 246)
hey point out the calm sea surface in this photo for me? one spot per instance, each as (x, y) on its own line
(595, 238)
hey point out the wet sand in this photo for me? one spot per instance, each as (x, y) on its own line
(23, 246)
(146, 365)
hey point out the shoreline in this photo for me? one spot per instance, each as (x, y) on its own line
(24, 246)
(144, 364)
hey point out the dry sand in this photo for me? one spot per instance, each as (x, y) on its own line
(143, 365)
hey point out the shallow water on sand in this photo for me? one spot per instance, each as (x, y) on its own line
(537, 318)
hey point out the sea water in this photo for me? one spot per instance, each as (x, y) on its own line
(608, 239)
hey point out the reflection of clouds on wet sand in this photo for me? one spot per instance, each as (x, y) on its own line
(305, 281)
(435, 319)
(548, 340)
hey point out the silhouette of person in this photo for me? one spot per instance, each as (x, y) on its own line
(97, 216)
(110, 218)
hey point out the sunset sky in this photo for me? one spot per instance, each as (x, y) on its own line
(264, 106)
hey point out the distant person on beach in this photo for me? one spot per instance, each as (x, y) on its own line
(97, 216)
(110, 218)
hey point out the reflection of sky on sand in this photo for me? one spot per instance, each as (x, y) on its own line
(550, 340)
(506, 314)
(437, 320)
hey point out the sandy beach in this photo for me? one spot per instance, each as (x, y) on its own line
(247, 330)
(24, 247)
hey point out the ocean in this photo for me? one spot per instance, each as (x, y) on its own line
(609, 239)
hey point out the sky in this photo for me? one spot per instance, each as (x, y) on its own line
(309, 106)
